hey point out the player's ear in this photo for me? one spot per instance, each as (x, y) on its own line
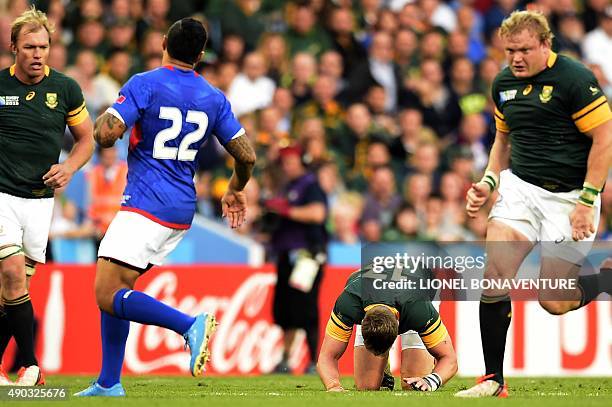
(164, 43)
(13, 48)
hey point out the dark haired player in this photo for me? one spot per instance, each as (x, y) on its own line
(172, 110)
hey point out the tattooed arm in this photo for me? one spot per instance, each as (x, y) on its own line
(234, 201)
(244, 159)
(108, 129)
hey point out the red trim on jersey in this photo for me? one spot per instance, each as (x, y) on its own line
(170, 67)
(155, 219)
(135, 136)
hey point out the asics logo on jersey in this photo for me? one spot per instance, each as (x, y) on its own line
(594, 90)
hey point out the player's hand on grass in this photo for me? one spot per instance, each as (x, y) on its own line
(58, 176)
(582, 221)
(431, 382)
(234, 205)
(476, 196)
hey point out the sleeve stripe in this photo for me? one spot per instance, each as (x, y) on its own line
(339, 323)
(500, 114)
(337, 333)
(434, 340)
(594, 118)
(588, 108)
(77, 110)
(78, 119)
(115, 113)
(432, 328)
(238, 133)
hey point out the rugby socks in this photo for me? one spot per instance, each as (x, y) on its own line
(495, 315)
(114, 335)
(594, 284)
(139, 307)
(20, 315)
(5, 332)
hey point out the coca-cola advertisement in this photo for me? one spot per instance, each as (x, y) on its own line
(248, 342)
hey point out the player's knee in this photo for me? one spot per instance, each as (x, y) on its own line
(556, 307)
(12, 268)
(368, 383)
(104, 297)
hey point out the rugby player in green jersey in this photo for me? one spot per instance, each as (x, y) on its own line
(380, 315)
(550, 159)
(36, 104)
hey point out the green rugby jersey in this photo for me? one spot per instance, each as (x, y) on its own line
(546, 116)
(33, 119)
(412, 311)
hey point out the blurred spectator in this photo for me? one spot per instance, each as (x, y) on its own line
(412, 133)
(406, 46)
(274, 49)
(106, 182)
(496, 14)
(7, 59)
(233, 49)
(431, 96)
(380, 69)
(405, 226)
(382, 199)
(411, 17)
(323, 104)
(304, 34)
(417, 190)
(67, 222)
(330, 64)
(299, 243)
(58, 57)
(473, 134)
(597, 46)
(570, 35)
(251, 89)
(426, 160)
(439, 14)
(342, 29)
(345, 214)
(301, 77)
(243, 18)
(462, 82)
(205, 205)
(283, 101)
(89, 35)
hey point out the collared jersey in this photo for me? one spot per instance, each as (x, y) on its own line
(412, 310)
(33, 120)
(546, 117)
(172, 111)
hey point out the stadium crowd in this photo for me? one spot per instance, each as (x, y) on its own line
(389, 100)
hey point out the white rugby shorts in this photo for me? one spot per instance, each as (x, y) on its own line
(541, 215)
(25, 222)
(138, 241)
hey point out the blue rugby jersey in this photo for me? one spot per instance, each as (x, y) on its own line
(172, 112)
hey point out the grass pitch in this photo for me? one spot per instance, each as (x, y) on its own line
(287, 391)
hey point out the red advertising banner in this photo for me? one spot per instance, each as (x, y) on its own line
(248, 342)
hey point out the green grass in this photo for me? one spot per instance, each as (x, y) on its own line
(287, 391)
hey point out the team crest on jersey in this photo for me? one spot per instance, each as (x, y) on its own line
(9, 100)
(51, 101)
(30, 95)
(527, 90)
(546, 94)
(507, 95)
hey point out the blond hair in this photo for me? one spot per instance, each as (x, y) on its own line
(34, 20)
(531, 20)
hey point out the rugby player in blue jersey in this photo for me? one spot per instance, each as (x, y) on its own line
(172, 110)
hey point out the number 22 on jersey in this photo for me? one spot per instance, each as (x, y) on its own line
(182, 152)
